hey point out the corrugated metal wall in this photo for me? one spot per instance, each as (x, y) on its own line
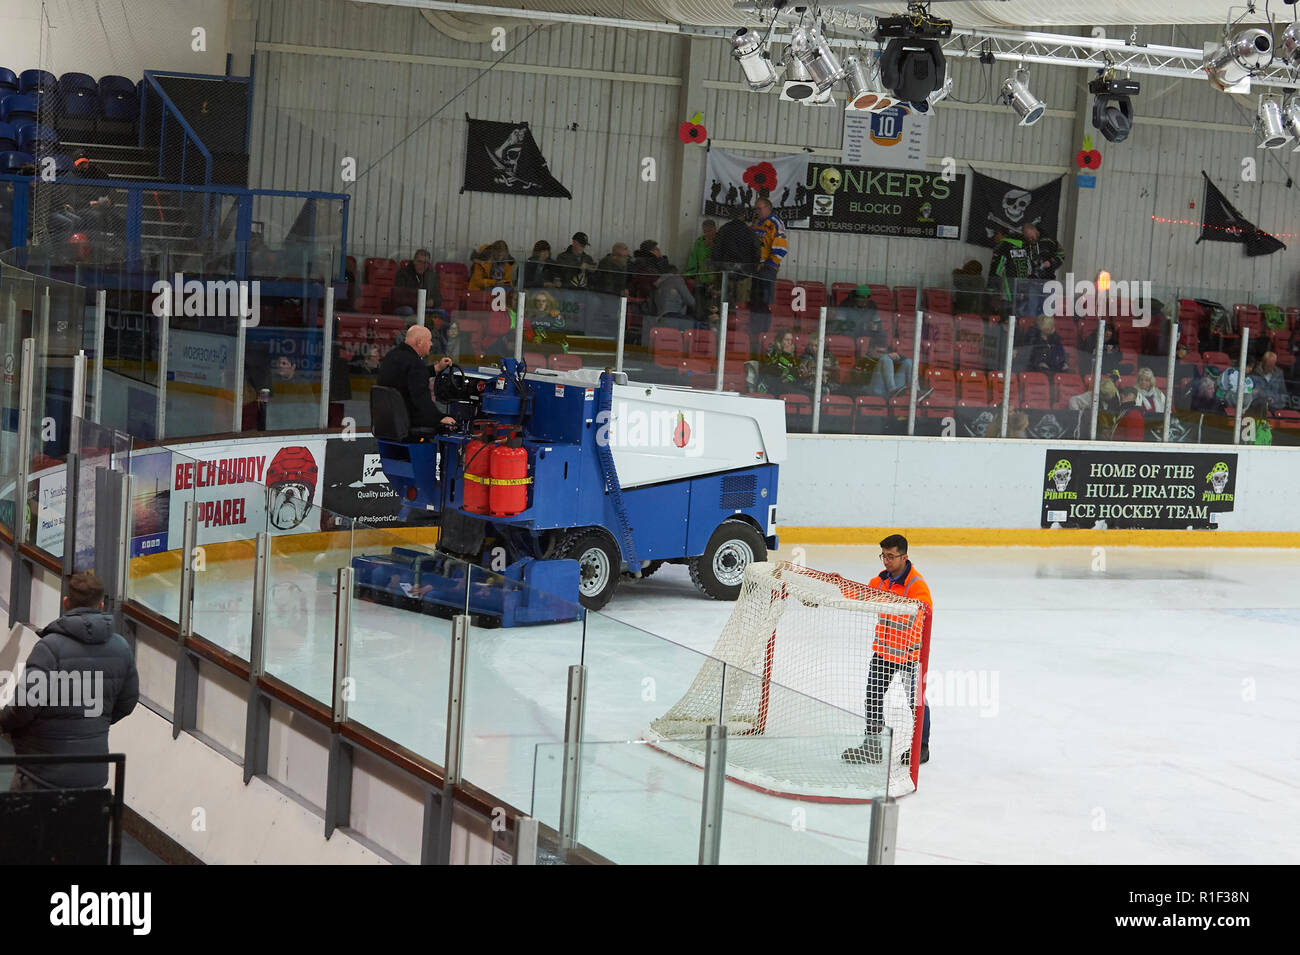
(314, 110)
(314, 107)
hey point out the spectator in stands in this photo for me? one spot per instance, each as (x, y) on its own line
(649, 260)
(1226, 387)
(1046, 353)
(284, 370)
(1130, 425)
(1109, 403)
(492, 267)
(699, 268)
(1110, 356)
(1269, 383)
(1184, 371)
(573, 264)
(539, 271)
(857, 317)
(808, 369)
(735, 252)
(451, 343)
(671, 297)
(102, 219)
(769, 229)
(77, 654)
(415, 275)
(1149, 397)
(64, 223)
(365, 362)
(882, 370)
(968, 289)
(1017, 426)
(780, 367)
(83, 168)
(404, 369)
(1258, 413)
(611, 274)
(1205, 397)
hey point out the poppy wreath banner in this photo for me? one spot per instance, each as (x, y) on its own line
(733, 183)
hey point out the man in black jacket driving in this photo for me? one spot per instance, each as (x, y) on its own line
(405, 370)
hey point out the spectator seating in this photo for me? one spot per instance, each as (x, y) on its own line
(119, 109)
(17, 106)
(1035, 390)
(37, 83)
(8, 82)
(798, 412)
(8, 138)
(938, 300)
(836, 414)
(37, 139)
(12, 161)
(666, 347)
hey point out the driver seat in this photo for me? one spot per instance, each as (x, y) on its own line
(389, 419)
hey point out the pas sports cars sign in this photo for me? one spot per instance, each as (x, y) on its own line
(1137, 489)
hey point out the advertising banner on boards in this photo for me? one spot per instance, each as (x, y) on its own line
(1137, 489)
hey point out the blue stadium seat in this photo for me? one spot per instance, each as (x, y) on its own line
(17, 106)
(37, 81)
(37, 139)
(8, 137)
(14, 161)
(79, 107)
(119, 109)
(78, 83)
(8, 82)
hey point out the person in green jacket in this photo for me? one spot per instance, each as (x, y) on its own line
(699, 268)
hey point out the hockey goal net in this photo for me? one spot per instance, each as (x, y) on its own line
(806, 664)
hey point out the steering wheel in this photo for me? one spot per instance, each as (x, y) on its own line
(445, 389)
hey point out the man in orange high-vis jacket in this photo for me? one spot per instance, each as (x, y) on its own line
(896, 649)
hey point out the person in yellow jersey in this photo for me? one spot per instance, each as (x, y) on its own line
(896, 649)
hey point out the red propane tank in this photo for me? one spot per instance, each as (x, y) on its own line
(509, 492)
(478, 462)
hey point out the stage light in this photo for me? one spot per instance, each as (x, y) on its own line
(1016, 94)
(811, 49)
(1112, 110)
(1270, 127)
(913, 65)
(866, 92)
(798, 84)
(1291, 114)
(1238, 58)
(754, 59)
(1291, 45)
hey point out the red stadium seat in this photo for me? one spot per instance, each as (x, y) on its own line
(1217, 358)
(1035, 390)
(381, 272)
(798, 411)
(837, 414)
(1065, 385)
(564, 362)
(869, 414)
(938, 300)
(666, 347)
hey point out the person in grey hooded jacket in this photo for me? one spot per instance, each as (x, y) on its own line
(79, 680)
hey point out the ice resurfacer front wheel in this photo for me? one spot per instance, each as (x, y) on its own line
(719, 571)
(598, 565)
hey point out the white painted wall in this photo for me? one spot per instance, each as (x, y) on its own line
(860, 481)
(123, 37)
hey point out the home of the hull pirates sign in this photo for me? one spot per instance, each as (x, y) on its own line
(1002, 207)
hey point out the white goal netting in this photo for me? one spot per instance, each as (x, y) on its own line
(807, 663)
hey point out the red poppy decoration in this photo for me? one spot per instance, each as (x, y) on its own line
(693, 131)
(1087, 157)
(689, 132)
(761, 176)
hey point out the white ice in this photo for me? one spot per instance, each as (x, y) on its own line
(1128, 705)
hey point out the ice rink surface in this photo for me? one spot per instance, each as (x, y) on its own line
(1120, 705)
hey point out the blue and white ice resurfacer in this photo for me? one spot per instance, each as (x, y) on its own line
(559, 483)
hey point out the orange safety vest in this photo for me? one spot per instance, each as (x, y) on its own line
(898, 637)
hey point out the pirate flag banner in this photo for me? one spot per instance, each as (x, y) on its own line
(1221, 222)
(733, 183)
(997, 206)
(503, 157)
(1137, 489)
(870, 200)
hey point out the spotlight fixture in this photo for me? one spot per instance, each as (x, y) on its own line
(941, 93)
(1112, 110)
(811, 49)
(1291, 46)
(913, 65)
(1291, 114)
(1270, 127)
(1015, 93)
(798, 84)
(747, 47)
(1238, 58)
(865, 89)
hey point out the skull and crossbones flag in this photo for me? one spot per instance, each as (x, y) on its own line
(1001, 207)
(1222, 222)
(503, 157)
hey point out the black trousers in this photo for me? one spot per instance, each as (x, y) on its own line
(879, 676)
